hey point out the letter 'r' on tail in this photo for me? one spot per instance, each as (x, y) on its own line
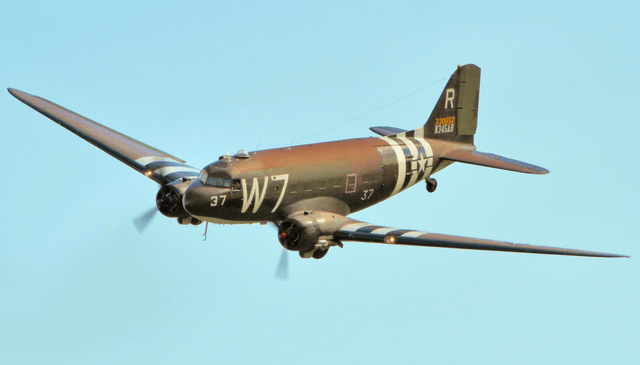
(455, 116)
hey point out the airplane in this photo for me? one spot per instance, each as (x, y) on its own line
(308, 191)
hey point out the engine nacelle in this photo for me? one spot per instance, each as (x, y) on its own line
(169, 199)
(309, 232)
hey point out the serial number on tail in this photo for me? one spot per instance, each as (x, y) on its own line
(444, 125)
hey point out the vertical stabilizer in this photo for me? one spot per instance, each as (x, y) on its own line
(455, 116)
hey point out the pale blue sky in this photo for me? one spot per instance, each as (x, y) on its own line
(79, 285)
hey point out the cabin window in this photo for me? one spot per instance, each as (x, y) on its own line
(352, 179)
(235, 185)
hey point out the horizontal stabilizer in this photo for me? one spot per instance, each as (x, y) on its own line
(491, 160)
(386, 131)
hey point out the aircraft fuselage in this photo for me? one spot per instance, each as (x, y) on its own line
(341, 177)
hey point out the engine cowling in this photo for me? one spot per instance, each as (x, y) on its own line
(310, 232)
(169, 199)
(298, 235)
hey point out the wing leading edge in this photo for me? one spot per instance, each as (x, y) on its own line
(159, 166)
(365, 232)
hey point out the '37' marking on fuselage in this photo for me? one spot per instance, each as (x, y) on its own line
(257, 196)
(216, 198)
(366, 194)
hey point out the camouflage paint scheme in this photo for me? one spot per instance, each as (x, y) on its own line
(308, 191)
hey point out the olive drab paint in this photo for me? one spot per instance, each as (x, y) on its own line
(308, 191)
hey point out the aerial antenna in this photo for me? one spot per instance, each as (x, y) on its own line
(372, 111)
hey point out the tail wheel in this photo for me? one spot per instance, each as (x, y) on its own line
(432, 184)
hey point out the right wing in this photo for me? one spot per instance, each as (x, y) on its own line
(365, 232)
(153, 163)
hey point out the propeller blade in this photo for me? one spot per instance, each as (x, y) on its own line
(142, 221)
(283, 267)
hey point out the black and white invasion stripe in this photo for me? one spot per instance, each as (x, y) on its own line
(371, 233)
(168, 168)
(414, 156)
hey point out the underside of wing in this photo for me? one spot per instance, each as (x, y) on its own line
(153, 163)
(365, 232)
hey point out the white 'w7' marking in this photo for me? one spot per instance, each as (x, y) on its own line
(257, 197)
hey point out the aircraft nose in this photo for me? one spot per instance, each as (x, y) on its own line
(199, 199)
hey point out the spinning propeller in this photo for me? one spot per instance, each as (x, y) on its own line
(142, 221)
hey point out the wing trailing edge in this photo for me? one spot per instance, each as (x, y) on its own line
(153, 163)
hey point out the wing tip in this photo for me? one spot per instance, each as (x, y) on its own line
(542, 171)
(612, 256)
(20, 95)
(539, 170)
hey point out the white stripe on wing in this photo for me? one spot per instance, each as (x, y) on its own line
(383, 231)
(164, 171)
(413, 234)
(144, 161)
(354, 226)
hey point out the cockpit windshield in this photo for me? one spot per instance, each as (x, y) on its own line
(203, 176)
(219, 182)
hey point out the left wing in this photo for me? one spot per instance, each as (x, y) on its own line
(365, 232)
(153, 163)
